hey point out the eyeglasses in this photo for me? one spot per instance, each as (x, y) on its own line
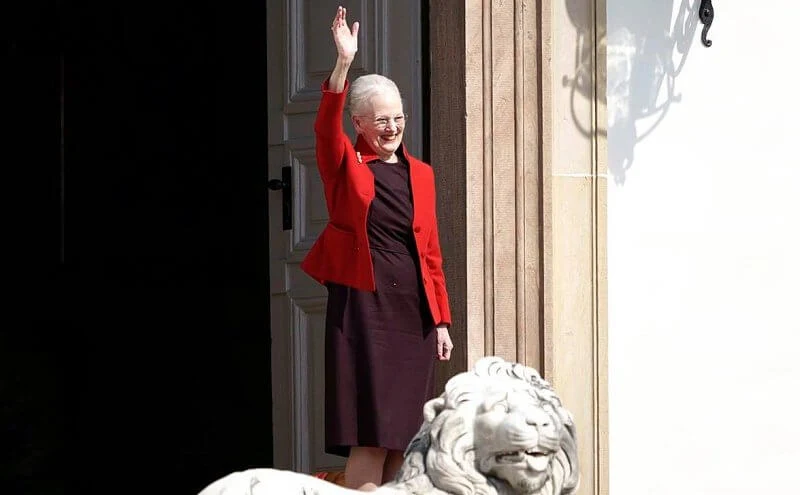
(383, 122)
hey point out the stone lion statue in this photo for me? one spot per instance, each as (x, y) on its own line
(498, 429)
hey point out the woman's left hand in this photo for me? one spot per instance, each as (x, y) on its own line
(443, 344)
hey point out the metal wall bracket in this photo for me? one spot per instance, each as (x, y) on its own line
(706, 17)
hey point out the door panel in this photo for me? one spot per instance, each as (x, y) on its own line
(301, 55)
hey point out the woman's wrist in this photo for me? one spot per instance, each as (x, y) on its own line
(338, 78)
(344, 62)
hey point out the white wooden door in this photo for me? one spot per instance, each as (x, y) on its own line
(300, 57)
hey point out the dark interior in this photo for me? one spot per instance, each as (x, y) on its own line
(135, 357)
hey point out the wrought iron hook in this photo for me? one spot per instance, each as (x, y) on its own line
(706, 17)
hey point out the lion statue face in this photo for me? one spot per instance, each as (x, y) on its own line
(515, 440)
(498, 429)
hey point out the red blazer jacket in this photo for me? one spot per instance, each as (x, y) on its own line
(341, 253)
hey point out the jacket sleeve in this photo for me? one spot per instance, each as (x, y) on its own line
(434, 261)
(331, 139)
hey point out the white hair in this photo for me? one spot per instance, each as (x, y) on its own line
(365, 87)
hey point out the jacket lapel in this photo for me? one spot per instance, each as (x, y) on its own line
(364, 151)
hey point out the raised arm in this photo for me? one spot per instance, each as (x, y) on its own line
(346, 47)
(331, 139)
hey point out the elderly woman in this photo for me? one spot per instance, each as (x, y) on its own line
(388, 313)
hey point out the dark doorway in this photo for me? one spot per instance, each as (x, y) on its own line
(139, 360)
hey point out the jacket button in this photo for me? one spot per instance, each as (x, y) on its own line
(417, 229)
(394, 284)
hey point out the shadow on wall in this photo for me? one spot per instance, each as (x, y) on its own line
(647, 44)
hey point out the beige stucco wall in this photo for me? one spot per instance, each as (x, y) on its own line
(703, 249)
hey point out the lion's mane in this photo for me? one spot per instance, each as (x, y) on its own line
(441, 457)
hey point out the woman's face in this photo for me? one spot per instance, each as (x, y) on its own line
(381, 123)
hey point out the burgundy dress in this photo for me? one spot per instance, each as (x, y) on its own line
(380, 346)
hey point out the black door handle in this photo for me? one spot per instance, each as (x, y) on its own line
(284, 184)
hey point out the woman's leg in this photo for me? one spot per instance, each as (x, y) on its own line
(394, 460)
(364, 465)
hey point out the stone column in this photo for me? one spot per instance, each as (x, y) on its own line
(487, 153)
(517, 143)
(574, 340)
